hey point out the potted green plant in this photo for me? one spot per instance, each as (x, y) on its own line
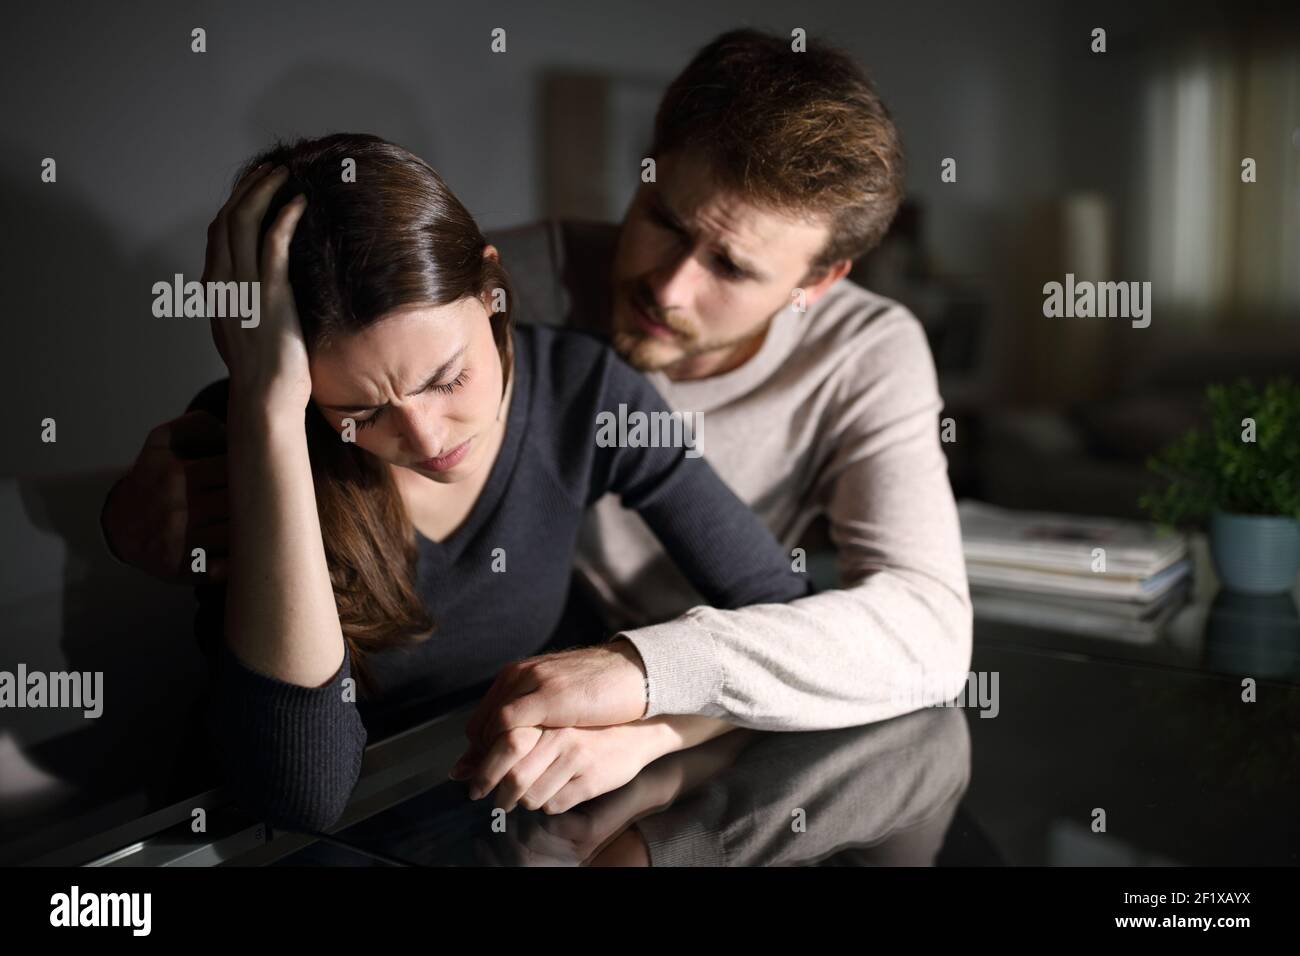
(1239, 477)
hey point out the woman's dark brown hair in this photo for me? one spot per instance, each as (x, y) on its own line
(380, 232)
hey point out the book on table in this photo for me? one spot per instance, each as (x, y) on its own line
(1097, 575)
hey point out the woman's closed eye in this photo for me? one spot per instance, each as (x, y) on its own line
(454, 384)
(447, 388)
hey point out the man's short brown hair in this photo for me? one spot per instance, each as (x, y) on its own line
(800, 132)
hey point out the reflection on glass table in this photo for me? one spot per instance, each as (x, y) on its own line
(884, 794)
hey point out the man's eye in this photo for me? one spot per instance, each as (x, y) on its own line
(727, 268)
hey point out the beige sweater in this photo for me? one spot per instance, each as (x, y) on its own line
(837, 415)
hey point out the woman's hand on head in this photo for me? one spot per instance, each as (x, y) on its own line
(267, 358)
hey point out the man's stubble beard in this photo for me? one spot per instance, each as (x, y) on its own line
(646, 353)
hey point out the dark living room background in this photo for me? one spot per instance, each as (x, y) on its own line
(1118, 165)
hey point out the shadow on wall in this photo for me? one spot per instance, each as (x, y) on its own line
(133, 630)
(312, 99)
(67, 605)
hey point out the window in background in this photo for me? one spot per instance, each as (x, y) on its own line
(1220, 251)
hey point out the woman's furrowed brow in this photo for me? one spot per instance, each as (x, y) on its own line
(440, 371)
(429, 382)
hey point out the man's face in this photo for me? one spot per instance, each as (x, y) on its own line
(699, 272)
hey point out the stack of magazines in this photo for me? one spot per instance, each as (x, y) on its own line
(1101, 576)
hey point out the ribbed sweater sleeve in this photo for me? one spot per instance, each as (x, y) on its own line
(290, 755)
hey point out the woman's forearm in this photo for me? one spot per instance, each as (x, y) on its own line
(671, 733)
(281, 618)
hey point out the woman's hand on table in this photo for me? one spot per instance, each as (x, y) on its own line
(601, 831)
(555, 768)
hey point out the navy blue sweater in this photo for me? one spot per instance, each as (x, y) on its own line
(292, 754)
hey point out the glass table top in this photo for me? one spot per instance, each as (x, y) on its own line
(1155, 734)
(1083, 759)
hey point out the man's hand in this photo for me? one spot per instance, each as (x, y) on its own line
(173, 500)
(586, 687)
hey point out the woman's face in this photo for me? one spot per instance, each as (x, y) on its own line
(422, 385)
